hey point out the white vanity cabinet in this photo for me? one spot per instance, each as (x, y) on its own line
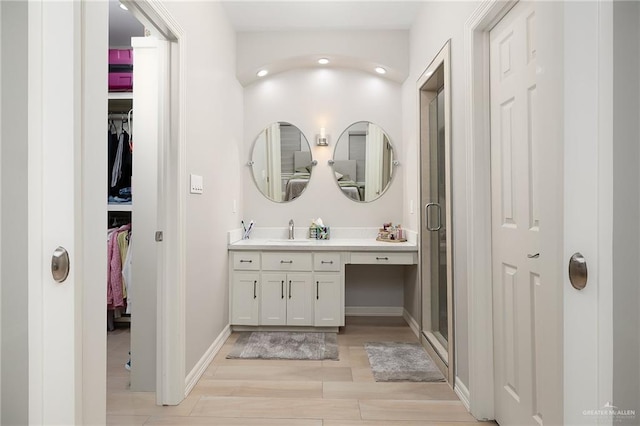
(286, 289)
(328, 289)
(286, 299)
(272, 288)
(245, 279)
(301, 284)
(244, 303)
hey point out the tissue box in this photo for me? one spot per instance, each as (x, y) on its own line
(319, 233)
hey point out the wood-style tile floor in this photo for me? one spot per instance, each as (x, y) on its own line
(291, 393)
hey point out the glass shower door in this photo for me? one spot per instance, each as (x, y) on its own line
(436, 231)
(436, 223)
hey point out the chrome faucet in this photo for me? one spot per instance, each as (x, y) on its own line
(291, 229)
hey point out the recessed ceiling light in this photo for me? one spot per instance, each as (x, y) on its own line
(381, 70)
(323, 61)
(262, 73)
(122, 6)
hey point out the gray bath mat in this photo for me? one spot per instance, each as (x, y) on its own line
(285, 345)
(397, 362)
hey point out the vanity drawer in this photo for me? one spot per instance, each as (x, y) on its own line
(382, 258)
(286, 261)
(246, 261)
(326, 262)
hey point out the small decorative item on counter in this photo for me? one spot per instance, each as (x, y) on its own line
(391, 234)
(318, 230)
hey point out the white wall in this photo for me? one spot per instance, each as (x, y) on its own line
(13, 214)
(435, 24)
(213, 134)
(626, 207)
(311, 99)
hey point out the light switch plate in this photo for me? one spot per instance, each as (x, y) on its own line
(196, 184)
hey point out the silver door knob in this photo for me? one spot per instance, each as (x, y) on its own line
(578, 271)
(60, 264)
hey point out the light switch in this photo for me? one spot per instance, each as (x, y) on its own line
(196, 184)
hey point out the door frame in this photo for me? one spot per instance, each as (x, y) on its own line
(478, 148)
(442, 58)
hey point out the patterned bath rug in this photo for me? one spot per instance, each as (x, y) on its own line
(401, 362)
(285, 345)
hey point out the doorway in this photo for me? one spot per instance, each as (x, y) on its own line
(436, 219)
(157, 342)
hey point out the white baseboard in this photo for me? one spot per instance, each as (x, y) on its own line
(413, 324)
(200, 367)
(373, 311)
(462, 391)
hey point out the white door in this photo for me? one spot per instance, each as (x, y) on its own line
(300, 299)
(67, 208)
(524, 387)
(273, 301)
(244, 298)
(328, 300)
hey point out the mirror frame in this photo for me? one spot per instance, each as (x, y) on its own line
(394, 162)
(251, 163)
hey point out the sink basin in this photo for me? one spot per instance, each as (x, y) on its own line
(289, 242)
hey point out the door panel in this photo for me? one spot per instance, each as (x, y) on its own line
(436, 249)
(300, 300)
(515, 165)
(273, 299)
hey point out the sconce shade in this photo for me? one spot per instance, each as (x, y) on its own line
(322, 139)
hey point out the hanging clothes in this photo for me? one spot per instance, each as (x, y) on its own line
(112, 143)
(115, 289)
(126, 274)
(120, 162)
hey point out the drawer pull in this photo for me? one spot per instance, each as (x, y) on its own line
(289, 289)
(286, 261)
(282, 289)
(382, 258)
(254, 289)
(246, 261)
(317, 290)
(325, 262)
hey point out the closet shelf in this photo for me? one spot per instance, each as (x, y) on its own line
(120, 207)
(120, 95)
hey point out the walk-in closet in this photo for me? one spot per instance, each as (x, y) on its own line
(120, 195)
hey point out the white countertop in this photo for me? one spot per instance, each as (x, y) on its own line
(337, 244)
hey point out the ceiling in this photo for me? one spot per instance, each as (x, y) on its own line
(122, 26)
(268, 15)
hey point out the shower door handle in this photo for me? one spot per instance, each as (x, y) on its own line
(426, 217)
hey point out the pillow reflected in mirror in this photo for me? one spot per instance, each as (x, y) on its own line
(363, 162)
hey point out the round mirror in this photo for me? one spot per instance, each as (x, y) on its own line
(363, 161)
(281, 162)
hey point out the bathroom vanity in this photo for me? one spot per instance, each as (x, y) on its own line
(301, 282)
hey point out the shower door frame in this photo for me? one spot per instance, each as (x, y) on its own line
(443, 356)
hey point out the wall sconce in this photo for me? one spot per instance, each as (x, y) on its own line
(322, 139)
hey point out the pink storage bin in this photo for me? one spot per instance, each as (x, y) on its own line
(120, 70)
(120, 81)
(120, 56)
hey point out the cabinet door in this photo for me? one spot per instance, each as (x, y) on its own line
(244, 306)
(299, 299)
(273, 299)
(328, 300)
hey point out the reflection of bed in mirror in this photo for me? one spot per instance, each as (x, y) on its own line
(345, 171)
(302, 172)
